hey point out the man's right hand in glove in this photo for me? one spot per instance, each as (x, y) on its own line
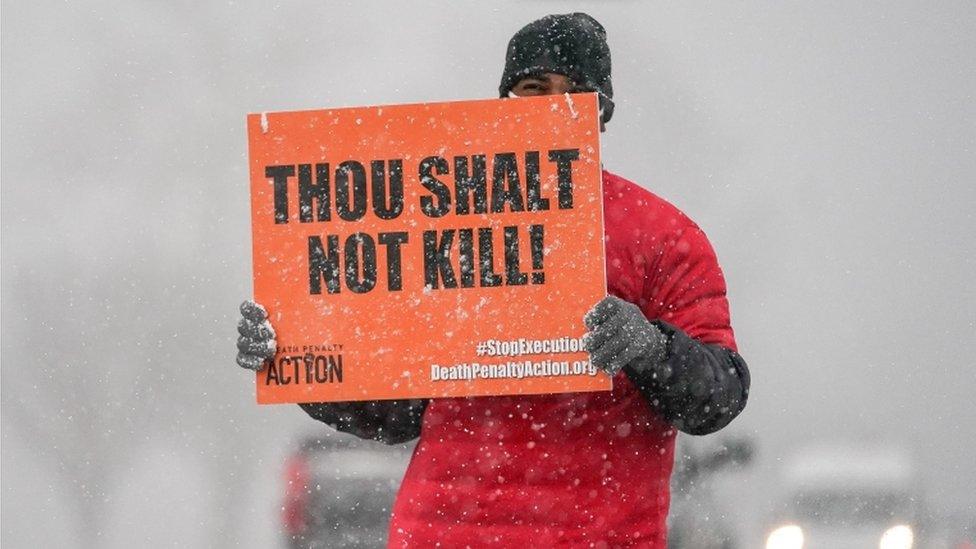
(257, 340)
(388, 421)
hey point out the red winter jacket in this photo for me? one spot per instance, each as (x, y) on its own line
(582, 469)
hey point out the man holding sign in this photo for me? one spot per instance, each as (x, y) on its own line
(570, 464)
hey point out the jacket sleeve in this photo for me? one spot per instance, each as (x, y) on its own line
(704, 387)
(703, 383)
(387, 421)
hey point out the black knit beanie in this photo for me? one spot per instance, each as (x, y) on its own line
(572, 44)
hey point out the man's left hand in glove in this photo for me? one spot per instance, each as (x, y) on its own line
(620, 334)
(698, 387)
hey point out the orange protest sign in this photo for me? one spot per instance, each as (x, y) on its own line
(429, 250)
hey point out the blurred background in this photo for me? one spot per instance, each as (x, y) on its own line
(828, 149)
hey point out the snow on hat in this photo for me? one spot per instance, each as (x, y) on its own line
(572, 44)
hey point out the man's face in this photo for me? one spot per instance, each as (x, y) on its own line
(549, 83)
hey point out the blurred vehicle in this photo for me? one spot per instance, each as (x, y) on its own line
(696, 520)
(836, 497)
(339, 491)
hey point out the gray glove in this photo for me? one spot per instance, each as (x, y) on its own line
(620, 335)
(257, 340)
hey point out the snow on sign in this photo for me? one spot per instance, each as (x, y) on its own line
(429, 250)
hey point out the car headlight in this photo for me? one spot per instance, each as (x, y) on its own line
(786, 537)
(897, 537)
